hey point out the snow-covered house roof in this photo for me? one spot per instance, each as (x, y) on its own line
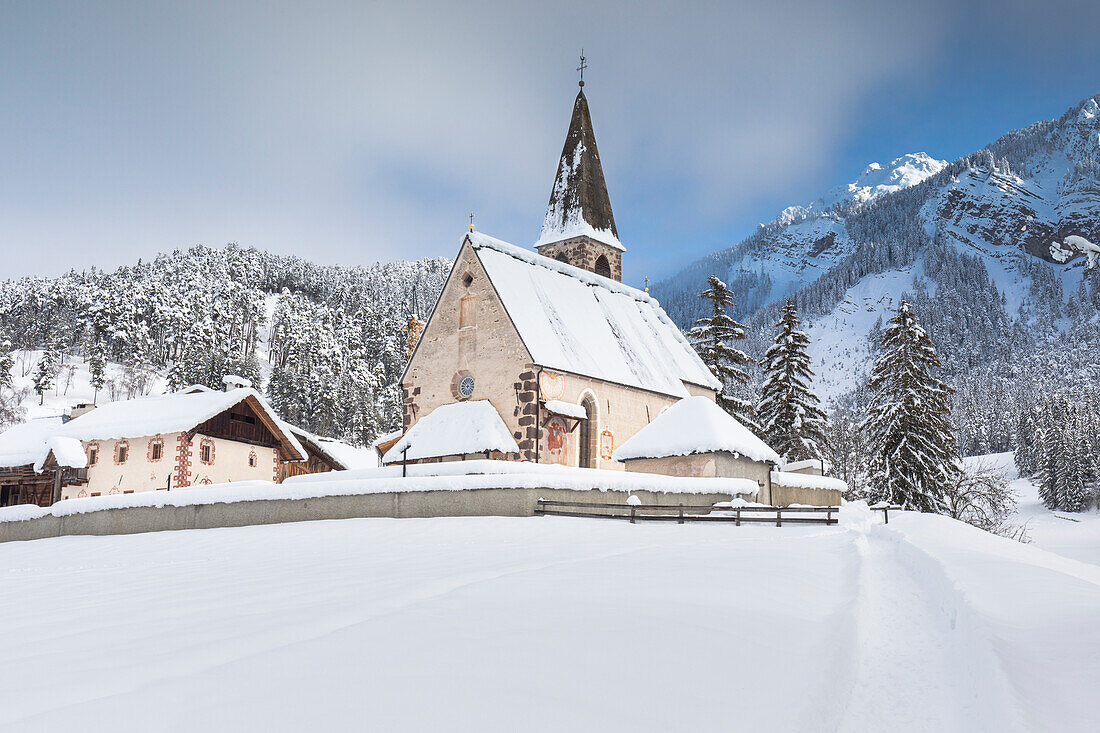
(694, 425)
(579, 204)
(579, 322)
(341, 455)
(173, 413)
(456, 429)
(31, 442)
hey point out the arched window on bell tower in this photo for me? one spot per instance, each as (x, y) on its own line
(603, 267)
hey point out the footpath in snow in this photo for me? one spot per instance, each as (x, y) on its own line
(549, 623)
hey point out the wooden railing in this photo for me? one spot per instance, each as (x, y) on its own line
(681, 513)
(886, 509)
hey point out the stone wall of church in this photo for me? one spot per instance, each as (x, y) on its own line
(583, 252)
(470, 334)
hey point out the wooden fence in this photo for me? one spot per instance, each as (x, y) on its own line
(680, 513)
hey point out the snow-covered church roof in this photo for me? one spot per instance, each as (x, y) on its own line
(579, 204)
(694, 425)
(579, 322)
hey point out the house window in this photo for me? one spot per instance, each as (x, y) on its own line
(122, 452)
(468, 280)
(156, 449)
(467, 311)
(96, 493)
(206, 452)
(93, 454)
(253, 461)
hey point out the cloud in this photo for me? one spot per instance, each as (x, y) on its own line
(351, 131)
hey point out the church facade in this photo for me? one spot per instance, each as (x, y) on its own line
(574, 361)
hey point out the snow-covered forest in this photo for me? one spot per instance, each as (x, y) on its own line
(326, 343)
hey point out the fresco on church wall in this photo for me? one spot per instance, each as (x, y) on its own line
(551, 385)
(555, 440)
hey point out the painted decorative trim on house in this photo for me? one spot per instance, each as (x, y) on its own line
(183, 461)
(122, 448)
(203, 444)
(149, 450)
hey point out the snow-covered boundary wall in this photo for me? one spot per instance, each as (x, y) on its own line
(499, 489)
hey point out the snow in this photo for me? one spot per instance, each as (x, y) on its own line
(808, 463)
(349, 456)
(694, 425)
(876, 180)
(568, 409)
(452, 476)
(1074, 245)
(808, 481)
(68, 452)
(60, 398)
(461, 623)
(460, 428)
(579, 322)
(25, 443)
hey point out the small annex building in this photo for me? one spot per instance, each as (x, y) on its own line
(195, 436)
(455, 432)
(697, 438)
(573, 361)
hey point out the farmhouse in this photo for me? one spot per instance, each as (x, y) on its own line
(571, 360)
(196, 436)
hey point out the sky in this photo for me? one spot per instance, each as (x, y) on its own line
(358, 132)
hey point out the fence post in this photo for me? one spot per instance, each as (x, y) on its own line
(632, 508)
(829, 515)
(886, 514)
(737, 522)
(681, 514)
(778, 517)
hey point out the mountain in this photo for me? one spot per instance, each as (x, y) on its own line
(970, 242)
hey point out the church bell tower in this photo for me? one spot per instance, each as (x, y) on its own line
(579, 228)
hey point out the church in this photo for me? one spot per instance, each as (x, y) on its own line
(572, 362)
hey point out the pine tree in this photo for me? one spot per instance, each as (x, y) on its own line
(97, 365)
(791, 419)
(711, 338)
(43, 375)
(7, 363)
(914, 456)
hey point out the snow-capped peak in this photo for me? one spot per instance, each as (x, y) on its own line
(876, 179)
(1089, 111)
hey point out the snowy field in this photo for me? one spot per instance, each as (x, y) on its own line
(1074, 535)
(494, 624)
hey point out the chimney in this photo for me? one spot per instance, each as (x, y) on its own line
(80, 408)
(232, 382)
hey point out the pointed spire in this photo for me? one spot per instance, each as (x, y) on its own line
(579, 204)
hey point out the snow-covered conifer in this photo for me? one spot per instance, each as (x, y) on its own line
(44, 375)
(97, 365)
(914, 455)
(791, 419)
(711, 337)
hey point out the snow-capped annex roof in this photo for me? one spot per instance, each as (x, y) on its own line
(579, 322)
(171, 413)
(579, 204)
(455, 429)
(694, 425)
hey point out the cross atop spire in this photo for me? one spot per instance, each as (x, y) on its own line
(582, 67)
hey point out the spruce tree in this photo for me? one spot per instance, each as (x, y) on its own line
(6, 365)
(791, 419)
(711, 338)
(43, 375)
(914, 457)
(97, 365)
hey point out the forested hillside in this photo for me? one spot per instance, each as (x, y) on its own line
(325, 343)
